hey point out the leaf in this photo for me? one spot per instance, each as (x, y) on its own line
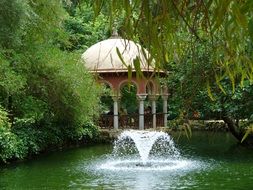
(129, 68)
(209, 91)
(166, 57)
(188, 129)
(240, 18)
(186, 133)
(232, 79)
(244, 74)
(246, 134)
(97, 6)
(121, 58)
(180, 133)
(127, 7)
(137, 67)
(250, 29)
(217, 79)
(219, 13)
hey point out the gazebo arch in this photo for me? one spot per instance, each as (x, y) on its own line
(151, 88)
(126, 82)
(106, 83)
(103, 59)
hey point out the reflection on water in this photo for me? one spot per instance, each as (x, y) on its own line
(214, 162)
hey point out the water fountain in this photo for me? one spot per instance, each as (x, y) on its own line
(144, 141)
(144, 150)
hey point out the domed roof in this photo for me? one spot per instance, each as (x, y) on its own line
(103, 56)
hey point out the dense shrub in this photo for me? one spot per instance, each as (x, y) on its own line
(47, 97)
(25, 138)
(46, 109)
(10, 144)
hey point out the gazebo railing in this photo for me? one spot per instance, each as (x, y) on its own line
(105, 121)
(130, 121)
(159, 119)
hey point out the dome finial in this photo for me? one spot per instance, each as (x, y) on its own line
(115, 34)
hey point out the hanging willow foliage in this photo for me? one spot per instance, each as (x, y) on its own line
(167, 28)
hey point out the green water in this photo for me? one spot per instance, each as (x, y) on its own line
(220, 164)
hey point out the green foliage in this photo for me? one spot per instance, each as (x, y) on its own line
(129, 100)
(26, 22)
(11, 82)
(188, 94)
(9, 142)
(12, 14)
(169, 28)
(4, 123)
(9, 145)
(84, 30)
(199, 85)
(60, 80)
(181, 123)
(248, 132)
(86, 131)
(49, 96)
(106, 102)
(32, 108)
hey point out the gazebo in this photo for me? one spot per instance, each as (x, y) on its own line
(112, 60)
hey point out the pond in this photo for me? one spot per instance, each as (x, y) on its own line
(217, 162)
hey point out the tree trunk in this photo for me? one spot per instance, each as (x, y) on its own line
(236, 132)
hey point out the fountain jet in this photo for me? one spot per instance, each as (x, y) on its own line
(144, 142)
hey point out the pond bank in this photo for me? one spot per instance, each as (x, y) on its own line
(108, 135)
(206, 125)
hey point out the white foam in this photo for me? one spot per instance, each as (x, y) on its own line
(144, 142)
(152, 165)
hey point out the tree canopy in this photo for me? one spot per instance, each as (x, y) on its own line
(44, 99)
(207, 47)
(170, 28)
